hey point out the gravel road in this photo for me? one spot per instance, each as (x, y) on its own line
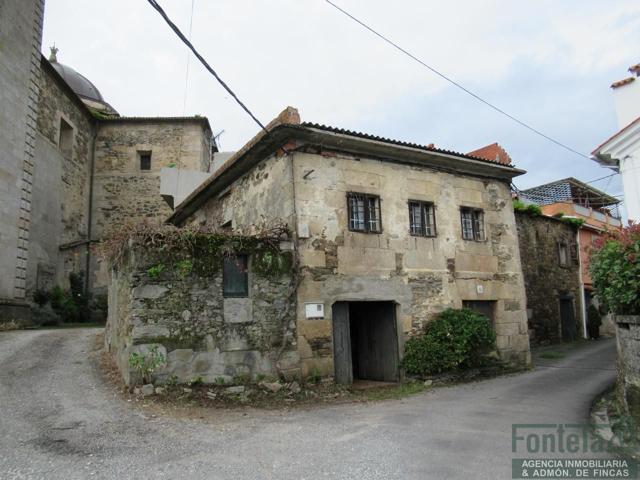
(60, 421)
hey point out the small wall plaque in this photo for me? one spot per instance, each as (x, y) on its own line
(314, 310)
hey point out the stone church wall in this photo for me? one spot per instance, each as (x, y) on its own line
(61, 186)
(20, 39)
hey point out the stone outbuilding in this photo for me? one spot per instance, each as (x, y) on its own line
(387, 234)
(551, 268)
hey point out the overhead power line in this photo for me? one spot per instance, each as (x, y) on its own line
(454, 83)
(602, 178)
(186, 41)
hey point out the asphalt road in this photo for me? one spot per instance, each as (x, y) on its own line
(58, 420)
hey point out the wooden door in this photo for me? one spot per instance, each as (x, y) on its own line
(343, 367)
(568, 319)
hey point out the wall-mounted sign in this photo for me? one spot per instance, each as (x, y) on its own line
(314, 310)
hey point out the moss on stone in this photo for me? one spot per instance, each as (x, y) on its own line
(193, 342)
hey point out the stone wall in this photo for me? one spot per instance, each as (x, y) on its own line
(628, 345)
(546, 281)
(422, 275)
(122, 191)
(20, 41)
(61, 185)
(264, 193)
(201, 333)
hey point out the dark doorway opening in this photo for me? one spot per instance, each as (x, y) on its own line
(483, 307)
(568, 319)
(365, 341)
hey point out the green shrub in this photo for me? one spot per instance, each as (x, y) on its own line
(40, 297)
(615, 271)
(530, 209)
(576, 222)
(456, 339)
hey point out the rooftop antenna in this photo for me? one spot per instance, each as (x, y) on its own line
(216, 139)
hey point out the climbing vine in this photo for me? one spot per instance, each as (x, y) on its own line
(195, 249)
(166, 252)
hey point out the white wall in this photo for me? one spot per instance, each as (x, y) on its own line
(179, 183)
(627, 102)
(630, 172)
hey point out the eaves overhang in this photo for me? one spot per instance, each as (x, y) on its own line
(358, 146)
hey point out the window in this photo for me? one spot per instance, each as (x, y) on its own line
(65, 139)
(563, 254)
(422, 221)
(235, 276)
(472, 220)
(364, 213)
(145, 160)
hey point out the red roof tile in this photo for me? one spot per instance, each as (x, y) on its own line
(622, 82)
(493, 153)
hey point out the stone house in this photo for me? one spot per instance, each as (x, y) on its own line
(551, 268)
(387, 234)
(570, 198)
(73, 167)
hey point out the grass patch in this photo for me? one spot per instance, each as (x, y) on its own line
(389, 393)
(551, 355)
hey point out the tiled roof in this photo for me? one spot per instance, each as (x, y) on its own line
(494, 153)
(622, 82)
(195, 118)
(428, 148)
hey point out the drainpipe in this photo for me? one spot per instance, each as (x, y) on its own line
(90, 212)
(583, 307)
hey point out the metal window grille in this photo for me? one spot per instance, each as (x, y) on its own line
(466, 217)
(472, 221)
(364, 213)
(422, 219)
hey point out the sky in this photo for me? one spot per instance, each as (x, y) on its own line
(546, 62)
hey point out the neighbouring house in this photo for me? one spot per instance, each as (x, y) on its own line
(386, 235)
(493, 152)
(568, 199)
(551, 268)
(621, 151)
(72, 166)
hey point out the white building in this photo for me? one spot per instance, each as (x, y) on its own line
(621, 152)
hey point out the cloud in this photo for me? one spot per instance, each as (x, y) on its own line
(547, 62)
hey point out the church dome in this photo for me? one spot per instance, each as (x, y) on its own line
(82, 87)
(78, 83)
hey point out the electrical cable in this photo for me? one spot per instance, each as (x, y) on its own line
(454, 83)
(206, 65)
